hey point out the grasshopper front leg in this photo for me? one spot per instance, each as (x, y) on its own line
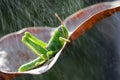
(63, 40)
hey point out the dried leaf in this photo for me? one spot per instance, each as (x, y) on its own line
(13, 53)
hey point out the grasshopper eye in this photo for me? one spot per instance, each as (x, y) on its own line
(61, 30)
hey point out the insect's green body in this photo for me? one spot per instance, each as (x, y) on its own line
(42, 50)
(58, 39)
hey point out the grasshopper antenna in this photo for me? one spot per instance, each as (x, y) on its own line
(59, 19)
(60, 22)
(61, 27)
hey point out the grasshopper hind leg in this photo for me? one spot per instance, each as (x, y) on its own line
(34, 44)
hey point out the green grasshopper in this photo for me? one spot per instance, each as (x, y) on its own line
(43, 50)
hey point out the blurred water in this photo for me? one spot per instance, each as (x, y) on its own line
(94, 56)
(17, 14)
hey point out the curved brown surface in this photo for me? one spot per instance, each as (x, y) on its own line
(85, 19)
(77, 24)
(8, 76)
